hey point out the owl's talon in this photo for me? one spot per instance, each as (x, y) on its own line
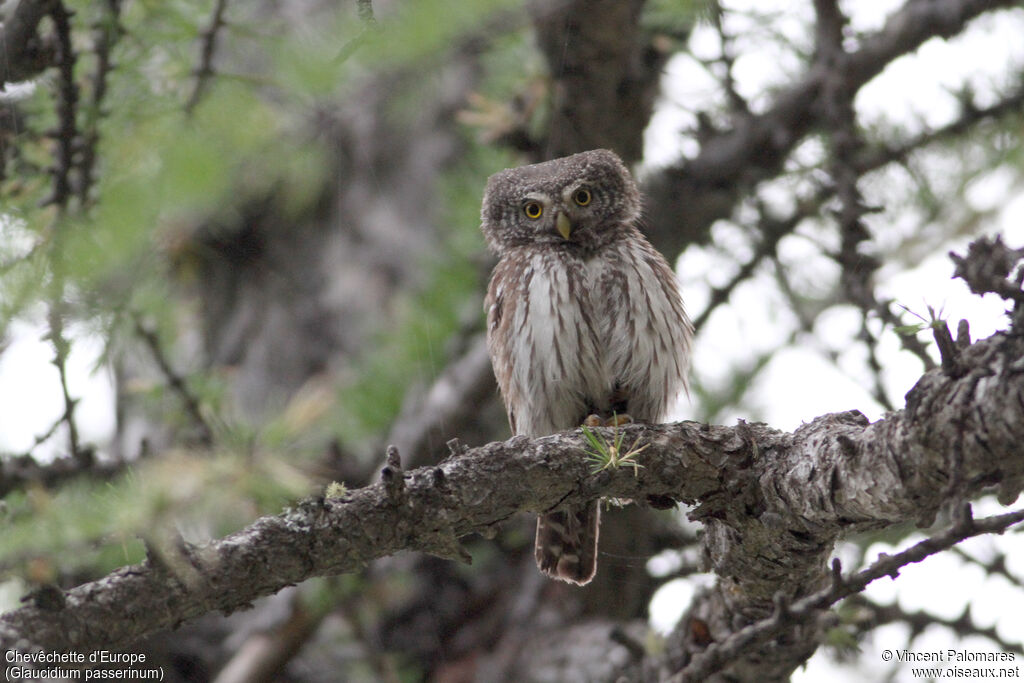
(593, 421)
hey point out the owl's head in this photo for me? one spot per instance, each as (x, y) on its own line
(586, 199)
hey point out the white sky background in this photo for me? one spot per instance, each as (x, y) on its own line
(800, 383)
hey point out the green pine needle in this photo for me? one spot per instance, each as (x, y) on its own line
(604, 455)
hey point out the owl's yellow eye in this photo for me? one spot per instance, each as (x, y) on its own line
(533, 209)
(581, 196)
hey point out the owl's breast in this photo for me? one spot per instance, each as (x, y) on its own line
(545, 338)
(570, 335)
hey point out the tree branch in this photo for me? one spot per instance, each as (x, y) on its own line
(24, 54)
(688, 197)
(204, 70)
(177, 383)
(719, 655)
(774, 503)
(66, 101)
(919, 620)
(18, 471)
(605, 75)
(106, 32)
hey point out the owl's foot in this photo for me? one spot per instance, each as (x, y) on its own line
(615, 420)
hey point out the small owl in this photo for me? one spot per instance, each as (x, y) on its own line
(584, 319)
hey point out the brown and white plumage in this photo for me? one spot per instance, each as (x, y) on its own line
(583, 317)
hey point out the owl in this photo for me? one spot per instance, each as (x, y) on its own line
(585, 323)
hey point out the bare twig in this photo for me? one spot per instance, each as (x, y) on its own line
(19, 471)
(208, 45)
(732, 161)
(364, 10)
(772, 230)
(918, 621)
(864, 160)
(877, 371)
(876, 156)
(105, 34)
(995, 567)
(177, 383)
(66, 133)
(737, 104)
(61, 348)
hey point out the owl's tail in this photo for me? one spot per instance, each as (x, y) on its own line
(566, 547)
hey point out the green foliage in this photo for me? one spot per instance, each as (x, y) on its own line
(120, 258)
(117, 258)
(100, 524)
(934, 320)
(677, 17)
(608, 454)
(427, 29)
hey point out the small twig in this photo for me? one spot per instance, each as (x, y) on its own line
(728, 60)
(920, 620)
(963, 335)
(948, 351)
(176, 382)
(876, 156)
(393, 477)
(105, 34)
(996, 567)
(908, 340)
(61, 349)
(772, 231)
(364, 10)
(208, 46)
(40, 439)
(67, 97)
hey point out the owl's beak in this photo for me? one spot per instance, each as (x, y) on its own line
(563, 225)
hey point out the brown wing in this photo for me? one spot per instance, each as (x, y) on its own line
(504, 295)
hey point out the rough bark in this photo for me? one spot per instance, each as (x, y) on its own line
(774, 504)
(605, 76)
